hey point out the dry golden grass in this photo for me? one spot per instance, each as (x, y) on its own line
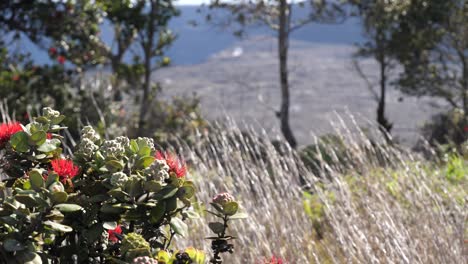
(384, 205)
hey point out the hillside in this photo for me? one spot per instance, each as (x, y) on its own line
(242, 81)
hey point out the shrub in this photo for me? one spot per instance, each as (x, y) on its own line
(449, 129)
(113, 201)
(330, 150)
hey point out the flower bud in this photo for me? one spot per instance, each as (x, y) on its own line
(56, 187)
(135, 245)
(223, 198)
(144, 141)
(89, 133)
(50, 113)
(144, 260)
(118, 179)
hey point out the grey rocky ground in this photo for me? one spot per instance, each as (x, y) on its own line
(242, 82)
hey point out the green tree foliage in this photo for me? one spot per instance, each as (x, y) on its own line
(379, 21)
(432, 40)
(70, 32)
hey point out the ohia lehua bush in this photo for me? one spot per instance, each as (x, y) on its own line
(110, 201)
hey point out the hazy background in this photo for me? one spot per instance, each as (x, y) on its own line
(239, 77)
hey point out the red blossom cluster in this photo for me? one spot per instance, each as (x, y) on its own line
(52, 50)
(176, 166)
(61, 59)
(112, 234)
(65, 169)
(9, 129)
(273, 260)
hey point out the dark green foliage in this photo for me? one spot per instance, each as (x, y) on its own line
(431, 43)
(448, 128)
(329, 151)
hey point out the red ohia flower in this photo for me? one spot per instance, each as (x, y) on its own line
(9, 129)
(49, 135)
(274, 260)
(52, 50)
(15, 77)
(65, 169)
(112, 236)
(61, 59)
(175, 165)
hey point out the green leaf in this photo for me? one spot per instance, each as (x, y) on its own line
(51, 178)
(40, 156)
(42, 119)
(191, 214)
(238, 216)
(19, 141)
(11, 206)
(26, 199)
(119, 194)
(60, 197)
(57, 120)
(58, 227)
(167, 192)
(152, 186)
(217, 207)
(29, 257)
(55, 215)
(197, 256)
(171, 204)
(56, 128)
(35, 177)
(110, 225)
(133, 215)
(157, 212)
(114, 165)
(213, 213)
(98, 198)
(163, 256)
(186, 192)
(179, 226)
(48, 146)
(230, 208)
(125, 206)
(134, 146)
(68, 208)
(144, 162)
(216, 227)
(12, 245)
(38, 138)
(109, 209)
(144, 151)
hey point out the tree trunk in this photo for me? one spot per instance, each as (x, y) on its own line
(145, 99)
(147, 47)
(385, 125)
(283, 43)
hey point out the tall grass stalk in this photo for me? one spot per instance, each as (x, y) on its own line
(383, 205)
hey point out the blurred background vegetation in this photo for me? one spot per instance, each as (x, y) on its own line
(420, 48)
